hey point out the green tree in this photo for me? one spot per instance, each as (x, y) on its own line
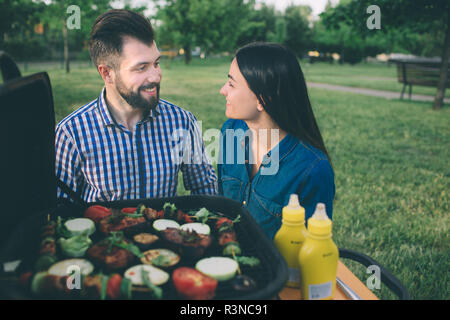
(330, 41)
(17, 21)
(214, 25)
(429, 18)
(176, 25)
(298, 31)
(351, 47)
(55, 19)
(279, 35)
(261, 25)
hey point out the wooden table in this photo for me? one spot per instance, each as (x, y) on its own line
(346, 276)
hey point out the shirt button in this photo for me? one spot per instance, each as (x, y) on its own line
(244, 203)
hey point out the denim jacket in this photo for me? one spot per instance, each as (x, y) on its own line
(291, 167)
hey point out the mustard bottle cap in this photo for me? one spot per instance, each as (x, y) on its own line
(294, 212)
(319, 224)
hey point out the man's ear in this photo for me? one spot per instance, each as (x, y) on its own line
(106, 72)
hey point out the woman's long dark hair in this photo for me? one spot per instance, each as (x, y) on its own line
(274, 75)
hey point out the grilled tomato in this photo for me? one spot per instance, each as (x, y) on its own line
(192, 284)
(97, 213)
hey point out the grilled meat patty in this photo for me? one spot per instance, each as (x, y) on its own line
(107, 225)
(116, 258)
(188, 243)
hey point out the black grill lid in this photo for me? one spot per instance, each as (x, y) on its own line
(27, 143)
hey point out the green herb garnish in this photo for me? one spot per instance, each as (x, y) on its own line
(130, 247)
(61, 229)
(156, 291)
(225, 227)
(170, 210)
(116, 217)
(134, 215)
(248, 261)
(104, 286)
(169, 206)
(140, 209)
(203, 215)
(116, 239)
(189, 235)
(161, 260)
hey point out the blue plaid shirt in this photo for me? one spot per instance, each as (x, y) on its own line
(102, 160)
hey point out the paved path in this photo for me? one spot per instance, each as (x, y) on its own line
(372, 92)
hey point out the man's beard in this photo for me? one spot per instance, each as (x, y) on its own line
(135, 99)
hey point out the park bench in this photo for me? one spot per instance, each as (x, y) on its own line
(418, 71)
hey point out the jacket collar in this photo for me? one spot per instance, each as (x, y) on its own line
(284, 147)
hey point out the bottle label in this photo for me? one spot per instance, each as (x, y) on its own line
(319, 291)
(294, 276)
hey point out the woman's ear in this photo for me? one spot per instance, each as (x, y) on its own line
(259, 106)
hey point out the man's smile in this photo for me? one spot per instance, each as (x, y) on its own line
(150, 91)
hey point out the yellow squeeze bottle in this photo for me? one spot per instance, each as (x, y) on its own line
(289, 239)
(318, 258)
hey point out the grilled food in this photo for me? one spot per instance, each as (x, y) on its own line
(219, 268)
(189, 244)
(115, 253)
(192, 284)
(97, 213)
(110, 257)
(163, 258)
(145, 240)
(122, 222)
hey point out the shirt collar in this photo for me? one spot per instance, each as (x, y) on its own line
(109, 120)
(284, 147)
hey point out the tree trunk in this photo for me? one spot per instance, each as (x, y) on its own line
(440, 94)
(187, 54)
(66, 46)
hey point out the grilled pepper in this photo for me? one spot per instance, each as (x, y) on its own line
(75, 247)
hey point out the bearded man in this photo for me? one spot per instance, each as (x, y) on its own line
(126, 143)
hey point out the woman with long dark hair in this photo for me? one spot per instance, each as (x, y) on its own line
(271, 144)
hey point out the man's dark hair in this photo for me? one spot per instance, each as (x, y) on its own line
(109, 30)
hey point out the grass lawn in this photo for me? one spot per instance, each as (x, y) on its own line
(390, 160)
(376, 76)
(364, 75)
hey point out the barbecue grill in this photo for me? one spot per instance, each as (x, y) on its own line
(270, 275)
